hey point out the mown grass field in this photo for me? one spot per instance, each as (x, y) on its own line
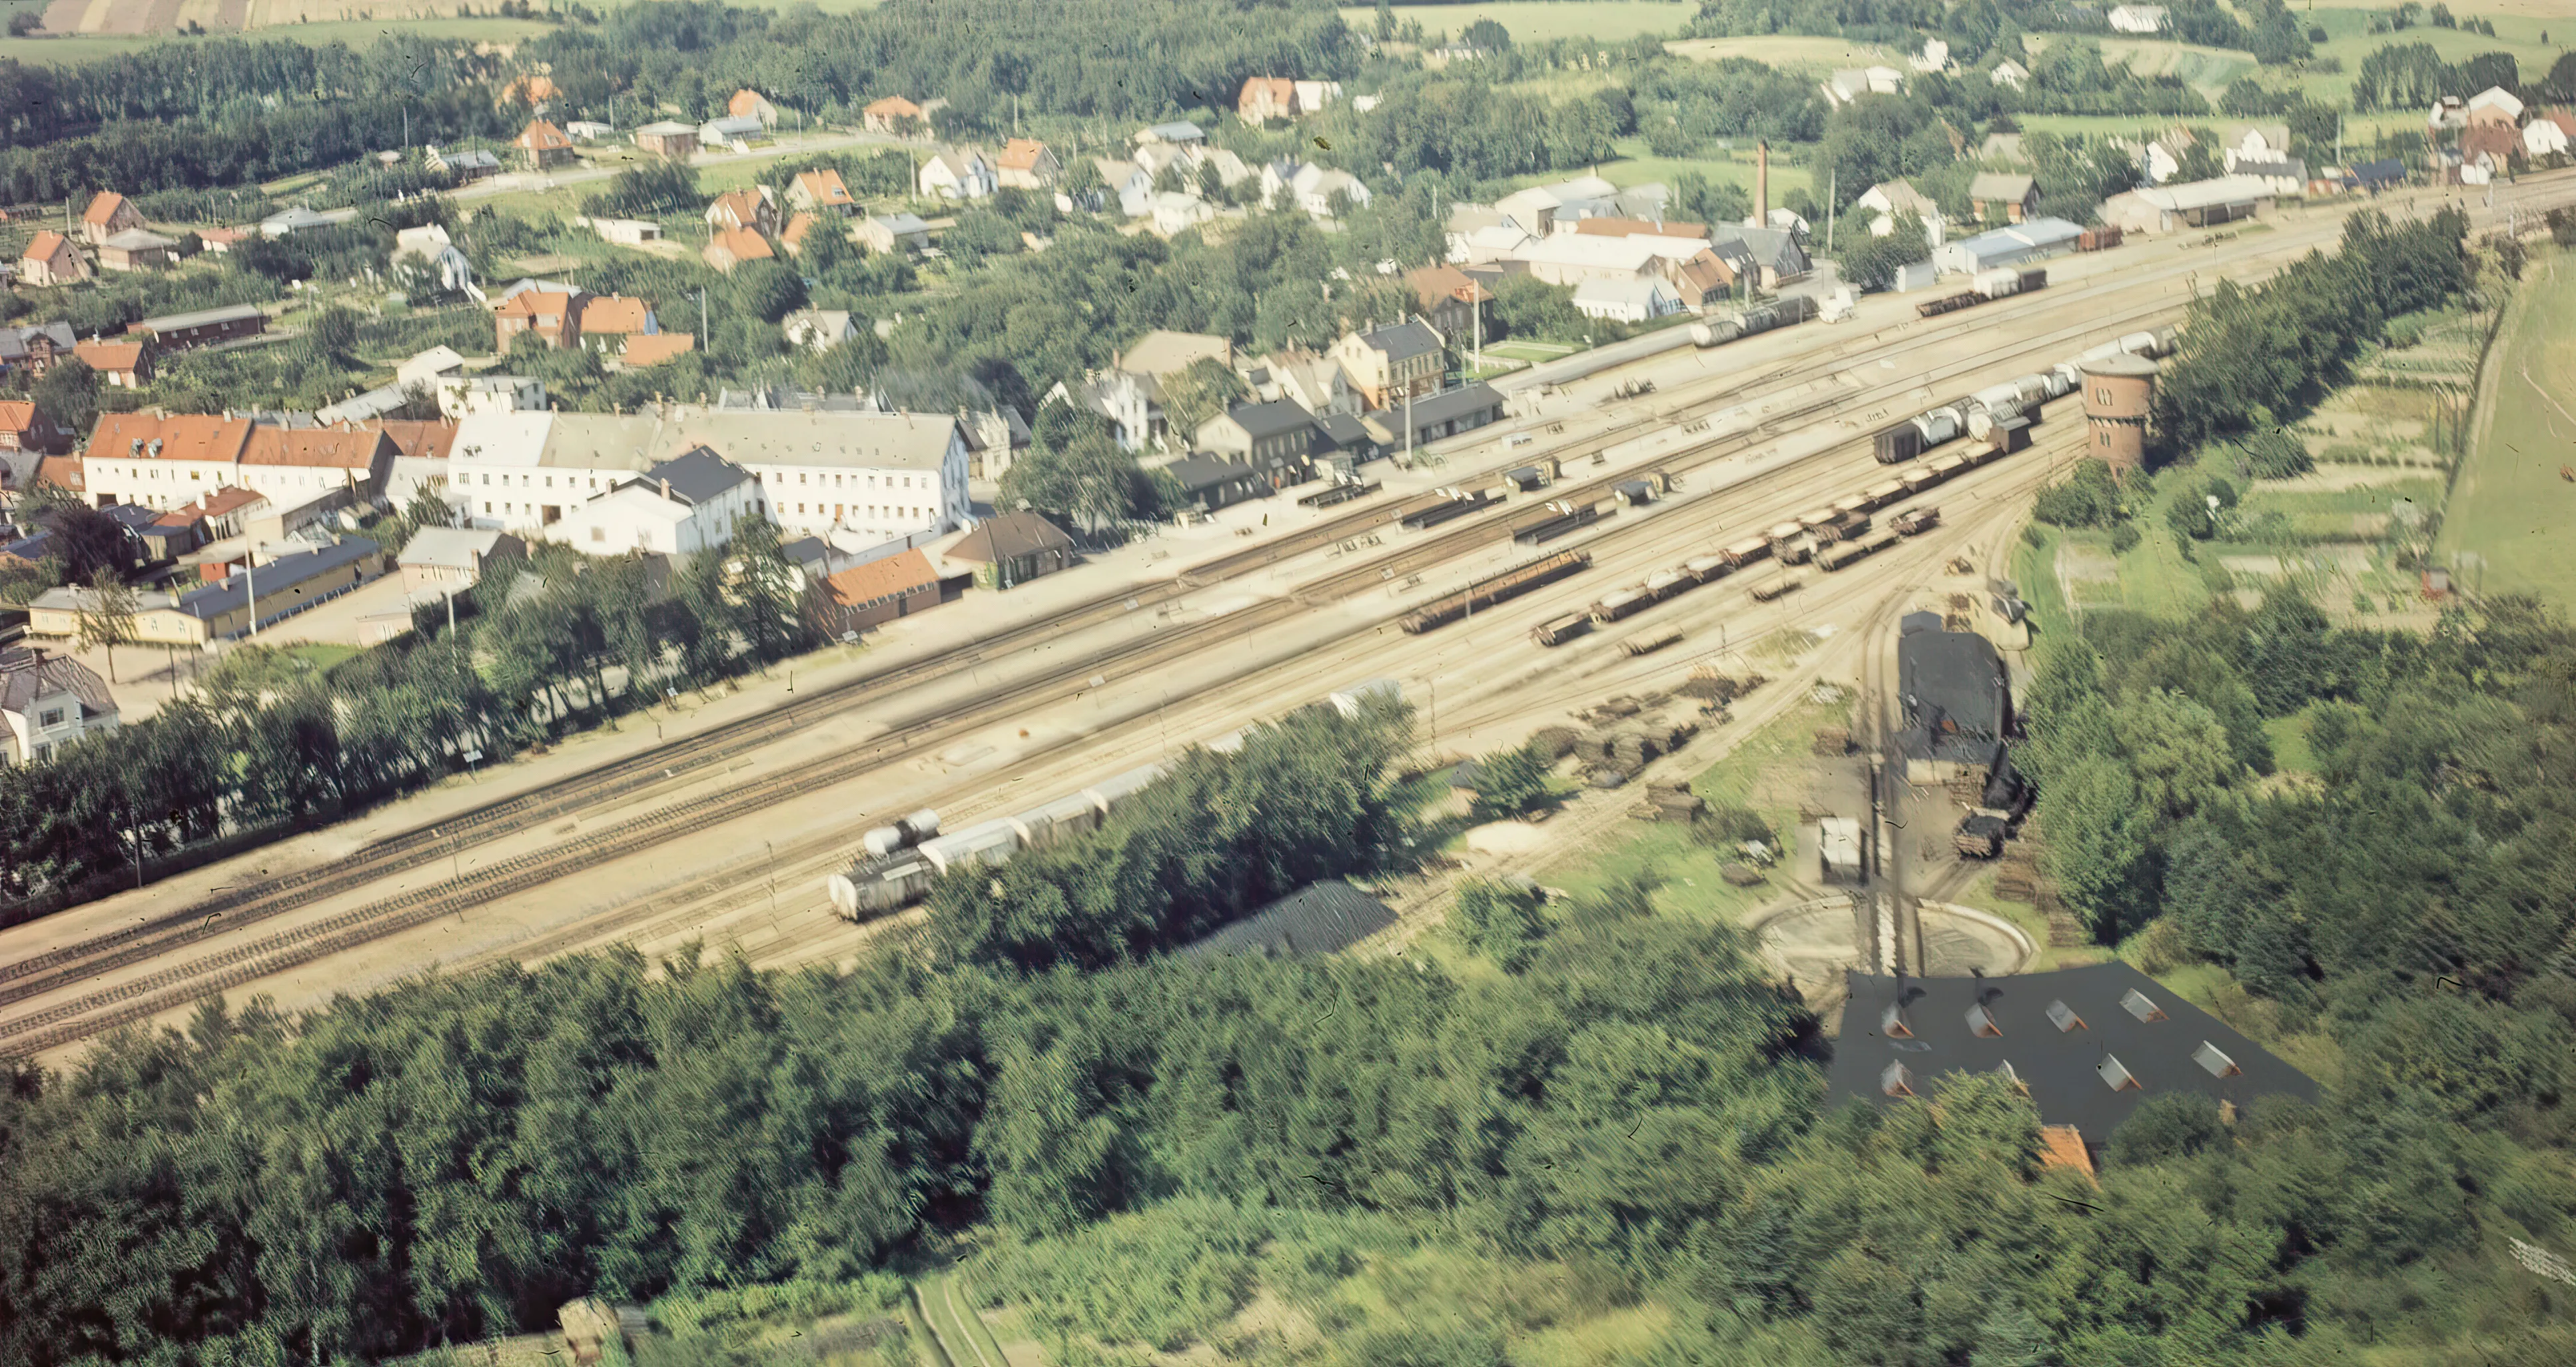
(1789, 52)
(1538, 21)
(2206, 69)
(2510, 506)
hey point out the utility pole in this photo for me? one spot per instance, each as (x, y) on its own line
(250, 584)
(702, 318)
(1833, 187)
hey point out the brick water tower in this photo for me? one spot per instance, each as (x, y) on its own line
(2117, 393)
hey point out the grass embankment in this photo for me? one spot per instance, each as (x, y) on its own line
(2510, 507)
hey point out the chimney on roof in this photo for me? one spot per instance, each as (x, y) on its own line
(1762, 183)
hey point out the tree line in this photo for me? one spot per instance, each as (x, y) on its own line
(260, 742)
(1600, 1089)
(2255, 357)
(2414, 75)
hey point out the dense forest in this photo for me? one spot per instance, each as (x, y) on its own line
(1622, 1097)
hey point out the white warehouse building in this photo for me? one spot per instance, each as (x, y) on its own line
(2019, 244)
(861, 481)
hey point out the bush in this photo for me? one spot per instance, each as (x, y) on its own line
(2273, 453)
(1502, 921)
(1511, 783)
(1725, 828)
(2124, 537)
(2090, 497)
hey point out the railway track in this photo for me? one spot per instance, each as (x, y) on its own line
(621, 779)
(98, 1011)
(237, 964)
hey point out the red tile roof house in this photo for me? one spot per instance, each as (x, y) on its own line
(821, 192)
(752, 210)
(610, 323)
(51, 260)
(553, 315)
(109, 213)
(893, 114)
(545, 145)
(24, 427)
(126, 365)
(731, 247)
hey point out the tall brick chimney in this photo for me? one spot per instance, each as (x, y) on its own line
(1762, 184)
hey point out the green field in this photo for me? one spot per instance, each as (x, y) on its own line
(1635, 167)
(2510, 506)
(1538, 21)
(88, 48)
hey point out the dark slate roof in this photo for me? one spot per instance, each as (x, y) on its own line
(34, 546)
(1275, 418)
(698, 475)
(1320, 918)
(2387, 172)
(273, 578)
(1457, 403)
(1344, 431)
(2064, 1070)
(26, 676)
(1198, 474)
(1010, 536)
(1951, 687)
(1403, 341)
(134, 516)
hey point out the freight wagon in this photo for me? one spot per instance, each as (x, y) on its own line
(1915, 521)
(1447, 504)
(1837, 556)
(1494, 589)
(1624, 603)
(1563, 517)
(1744, 553)
(1562, 630)
(1764, 593)
(1898, 444)
(1650, 642)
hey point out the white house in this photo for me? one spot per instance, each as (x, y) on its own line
(1538, 209)
(2010, 73)
(1845, 86)
(2137, 18)
(428, 245)
(429, 367)
(286, 222)
(963, 174)
(819, 329)
(1887, 199)
(2543, 136)
(1627, 301)
(2495, 104)
(627, 232)
(1176, 213)
(46, 703)
(1582, 258)
(463, 395)
(1310, 187)
(687, 504)
(1493, 242)
(588, 130)
(858, 479)
(1131, 185)
(735, 131)
(1935, 56)
(1178, 133)
(2254, 142)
